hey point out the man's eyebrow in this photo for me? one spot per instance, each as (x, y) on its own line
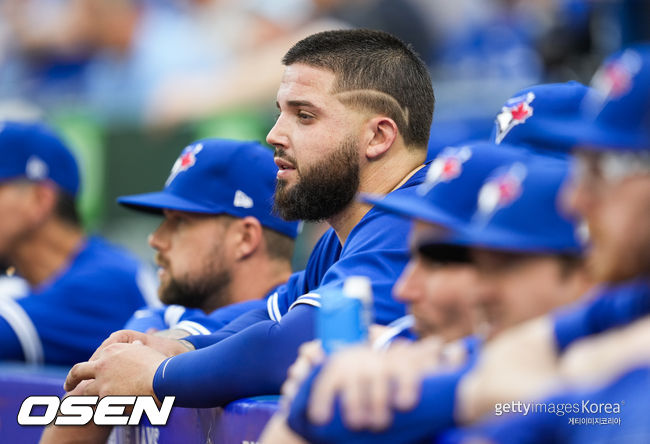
(297, 104)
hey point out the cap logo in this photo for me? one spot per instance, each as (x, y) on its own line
(185, 161)
(445, 168)
(242, 200)
(36, 169)
(516, 111)
(501, 189)
(614, 79)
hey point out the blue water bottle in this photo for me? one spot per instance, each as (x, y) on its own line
(345, 315)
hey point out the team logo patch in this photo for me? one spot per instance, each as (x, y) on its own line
(185, 161)
(615, 78)
(501, 189)
(36, 169)
(445, 168)
(242, 200)
(516, 111)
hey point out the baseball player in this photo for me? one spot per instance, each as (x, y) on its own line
(500, 296)
(337, 133)
(80, 288)
(218, 230)
(603, 342)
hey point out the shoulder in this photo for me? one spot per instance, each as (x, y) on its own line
(102, 267)
(382, 228)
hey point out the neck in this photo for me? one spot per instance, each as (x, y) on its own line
(46, 251)
(380, 178)
(267, 273)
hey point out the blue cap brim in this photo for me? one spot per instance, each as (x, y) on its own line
(411, 207)
(158, 201)
(589, 136)
(492, 238)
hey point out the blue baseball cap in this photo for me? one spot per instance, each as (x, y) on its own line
(615, 114)
(32, 151)
(517, 210)
(492, 196)
(217, 176)
(447, 196)
(525, 118)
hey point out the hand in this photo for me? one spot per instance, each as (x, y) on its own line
(87, 434)
(375, 331)
(371, 384)
(277, 431)
(597, 360)
(519, 364)
(166, 346)
(118, 369)
(310, 355)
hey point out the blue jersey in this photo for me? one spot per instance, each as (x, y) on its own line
(63, 320)
(376, 247)
(194, 321)
(616, 413)
(613, 306)
(401, 328)
(433, 414)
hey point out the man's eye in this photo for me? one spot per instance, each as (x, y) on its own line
(178, 219)
(304, 116)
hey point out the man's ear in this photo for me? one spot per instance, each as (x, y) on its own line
(382, 133)
(249, 231)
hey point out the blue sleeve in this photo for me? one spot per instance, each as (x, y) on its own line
(196, 322)
(432, 415)
(251, 362)
(513, 429)
(241, 323)
(147, 318)
(11, 350)
(13, 320)
(610, 308)
(377, 248)
(192, 320)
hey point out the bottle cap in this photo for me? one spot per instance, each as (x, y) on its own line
(358, 287)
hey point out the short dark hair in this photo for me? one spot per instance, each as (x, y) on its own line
(279, 246)
(66, 209)
(388, 74)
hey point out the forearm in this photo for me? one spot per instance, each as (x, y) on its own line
(88, 434)
(250, 363)
(612, 308)
(431, 415)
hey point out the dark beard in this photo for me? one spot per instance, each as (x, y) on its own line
(322, 191)
(207, 294)
(5, 264)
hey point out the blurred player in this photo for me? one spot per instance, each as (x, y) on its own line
(341, 129)
(602, 345)
(218, 231)
(80, 288)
